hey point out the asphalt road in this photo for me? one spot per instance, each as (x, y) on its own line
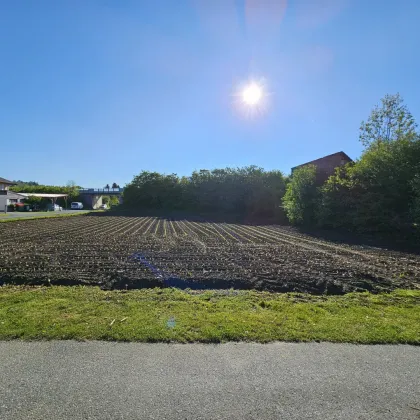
(97, 380)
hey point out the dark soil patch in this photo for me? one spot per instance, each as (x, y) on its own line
(143, 252)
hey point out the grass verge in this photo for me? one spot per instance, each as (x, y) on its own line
(45, 216)
(171, 315)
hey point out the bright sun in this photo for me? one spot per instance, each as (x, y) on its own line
(252, 94)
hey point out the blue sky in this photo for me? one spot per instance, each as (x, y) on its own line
(96, 91)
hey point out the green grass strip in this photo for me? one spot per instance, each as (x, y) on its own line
(85, 313)
(44, 215)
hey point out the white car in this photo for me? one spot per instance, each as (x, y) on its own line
(103, 206)
(76, 205)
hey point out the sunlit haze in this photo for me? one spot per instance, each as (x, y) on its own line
(252, 94)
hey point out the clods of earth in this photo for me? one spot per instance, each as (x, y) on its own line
(121, 252)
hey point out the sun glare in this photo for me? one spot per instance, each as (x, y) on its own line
(252, 99)
(252, 94)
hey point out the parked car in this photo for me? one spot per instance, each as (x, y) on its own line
(19, 206)
(31, 207)
(103, 206)
(76, 205)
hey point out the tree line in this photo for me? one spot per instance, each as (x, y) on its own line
(33, 187)
(71, 189)
(379, 192)
(248, 193)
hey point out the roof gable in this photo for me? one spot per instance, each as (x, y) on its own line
(314, 162)
(5, 181)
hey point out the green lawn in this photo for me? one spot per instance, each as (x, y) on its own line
(42, 215)
(212, 316)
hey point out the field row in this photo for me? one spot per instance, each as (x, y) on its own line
(131, 252)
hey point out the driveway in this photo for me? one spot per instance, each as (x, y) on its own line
(102, 380)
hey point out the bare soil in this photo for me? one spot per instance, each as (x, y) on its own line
(136, 252)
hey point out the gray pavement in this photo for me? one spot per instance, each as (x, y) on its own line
(29, 215)
(99, 380)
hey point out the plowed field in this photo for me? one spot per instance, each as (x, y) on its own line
(134, 252)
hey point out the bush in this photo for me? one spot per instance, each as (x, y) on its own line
(302, 195)
(415, 205)
(249, 192)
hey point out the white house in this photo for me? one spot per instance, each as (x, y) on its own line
(8, 197)
(5, 184)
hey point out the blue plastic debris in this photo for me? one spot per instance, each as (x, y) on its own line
(168, 279)
(171, 322)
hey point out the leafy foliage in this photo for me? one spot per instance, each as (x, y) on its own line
(25, 182)
(381, 191)
(111, 201)
(415, 204)
(152, 190)
(32, 200)
(250, 192)
(389, 122)
(71, 189)
(300, 200)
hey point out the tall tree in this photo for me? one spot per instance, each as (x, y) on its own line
(248, 192)
(389, 122)
(301, 198)
(379, 192)
(72, 189)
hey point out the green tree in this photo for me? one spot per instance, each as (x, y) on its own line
(248, 192)
(337, 201)
(302, 194)
(25, 182)
(389, 122)
(71, 189)
(415, 204)
(33, 200)
(378, 193)
(113, 201)
(151, 190)
(110, 200)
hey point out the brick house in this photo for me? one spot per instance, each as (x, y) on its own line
(326, 165)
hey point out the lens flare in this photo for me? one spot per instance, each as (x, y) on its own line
(252, 94)
(251, 99)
